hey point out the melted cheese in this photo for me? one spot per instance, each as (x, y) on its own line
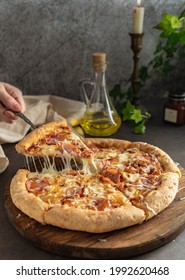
(81, 191)
(123, 157)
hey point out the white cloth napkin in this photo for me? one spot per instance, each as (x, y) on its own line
(3, 161)
(39, 109)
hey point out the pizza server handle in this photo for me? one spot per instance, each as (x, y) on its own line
(22, 116)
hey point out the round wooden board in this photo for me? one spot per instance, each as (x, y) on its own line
(118, 244)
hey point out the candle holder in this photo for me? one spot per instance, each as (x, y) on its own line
(136, 46)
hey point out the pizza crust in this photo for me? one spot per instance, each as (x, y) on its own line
(27, 202)
(106, 143)
(157, 200)
(94, 221)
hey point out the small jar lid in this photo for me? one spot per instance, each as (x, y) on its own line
(177, 96)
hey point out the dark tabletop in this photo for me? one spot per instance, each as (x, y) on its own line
(168, 137)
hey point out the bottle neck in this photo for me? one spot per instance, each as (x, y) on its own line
(99, 78)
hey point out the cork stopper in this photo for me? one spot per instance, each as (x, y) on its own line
(99, 62)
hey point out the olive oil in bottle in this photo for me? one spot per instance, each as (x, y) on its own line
(100, 118)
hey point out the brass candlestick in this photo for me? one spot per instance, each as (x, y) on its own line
(136, 46)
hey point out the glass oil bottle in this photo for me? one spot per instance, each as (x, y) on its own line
(100, 118)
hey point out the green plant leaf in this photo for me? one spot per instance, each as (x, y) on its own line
(140, 128)
(128, 111)
(136, 116)
(176, 22)
(165, 25)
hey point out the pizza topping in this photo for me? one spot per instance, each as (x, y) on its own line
(34, 147)
(103, 203)
(73, 191)
(113, 174)
(86, 153)
(54, 139)
(35, 185)
(69, 148)
(151, 182)
(130, 160)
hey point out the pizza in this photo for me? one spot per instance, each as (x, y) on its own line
(119, 184)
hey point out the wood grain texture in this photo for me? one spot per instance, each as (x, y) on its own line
(119, 244)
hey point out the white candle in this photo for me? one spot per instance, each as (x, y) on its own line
(138, 18)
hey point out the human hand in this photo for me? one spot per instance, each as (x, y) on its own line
(11, 99)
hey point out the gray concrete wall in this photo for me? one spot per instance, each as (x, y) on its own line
(46, 46)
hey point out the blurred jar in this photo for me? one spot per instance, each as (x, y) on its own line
(174, 109)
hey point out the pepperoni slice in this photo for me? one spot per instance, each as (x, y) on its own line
(35, 185)
(102, 203)
(53, 139)
(70, 148)
(71, 193)
(113, 174)
(105, 180)
(75, 191)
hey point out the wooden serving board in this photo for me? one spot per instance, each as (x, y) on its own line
(119, 244)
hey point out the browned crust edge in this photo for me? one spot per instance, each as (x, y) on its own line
(94, 221)
(157, 200)
(107, 142)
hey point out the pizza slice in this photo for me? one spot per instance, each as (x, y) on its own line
(130, 157)
(151, 193)
(54, 139)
